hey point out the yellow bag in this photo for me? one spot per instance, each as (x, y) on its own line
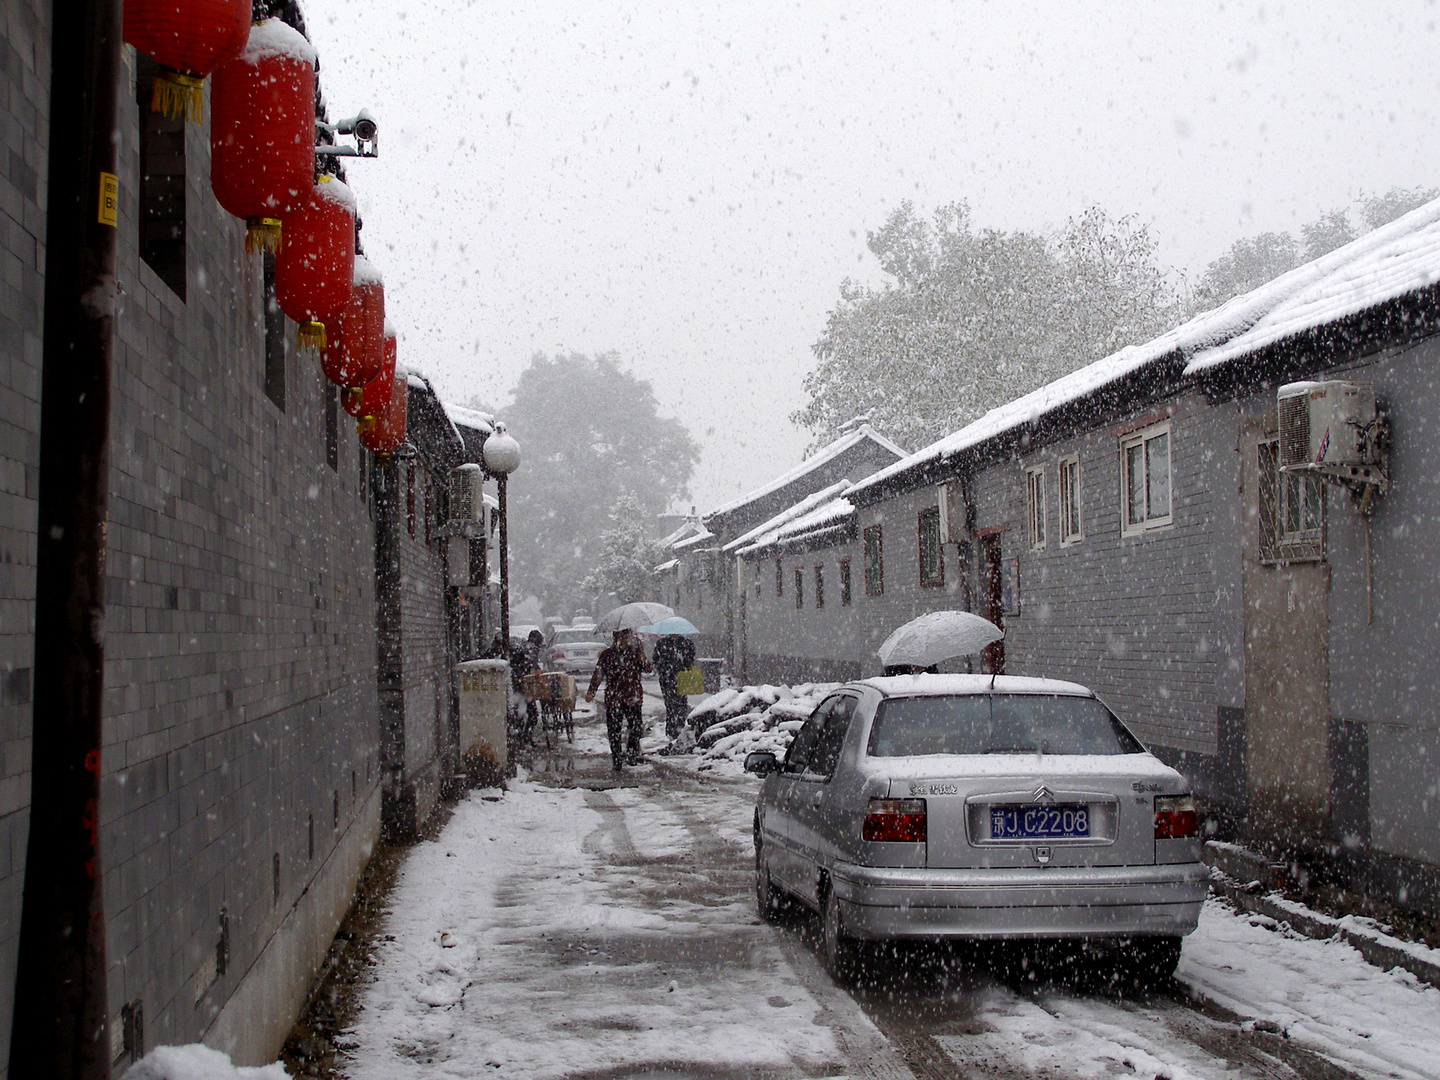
(690, 682)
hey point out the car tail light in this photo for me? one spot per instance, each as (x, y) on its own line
(1175, 817)
(557, 655)
(896, 821)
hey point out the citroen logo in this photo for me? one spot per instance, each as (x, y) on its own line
(1043, 795)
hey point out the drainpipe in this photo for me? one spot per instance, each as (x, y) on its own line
(60, 1023)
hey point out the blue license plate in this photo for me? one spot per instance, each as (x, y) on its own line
(1062, 821)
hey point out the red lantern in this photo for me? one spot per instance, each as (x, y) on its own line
(188, 39)
(387, 433)
(315, 266)
(375, 394)
(262, 134)
(355, 353)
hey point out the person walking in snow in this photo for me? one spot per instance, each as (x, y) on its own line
(674, 653)
(620, 668)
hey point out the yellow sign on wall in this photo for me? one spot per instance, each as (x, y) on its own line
(109, 199)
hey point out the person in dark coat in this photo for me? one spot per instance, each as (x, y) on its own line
(674, 653)
(620, 668)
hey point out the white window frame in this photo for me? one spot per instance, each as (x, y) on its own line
(1141, 438)
(1289, 483)
(1072, 530)
(1035, 522)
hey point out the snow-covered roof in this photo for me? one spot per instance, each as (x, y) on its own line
(473, 419)
(691, 541)
(821, 457)
(669, 565)
(831, 514)
(790, 513)
(689, 528)
(1389, 262)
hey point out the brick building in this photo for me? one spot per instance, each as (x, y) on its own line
(1129, 528)
(244, 770)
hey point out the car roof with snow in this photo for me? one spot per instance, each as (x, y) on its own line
(939, 685)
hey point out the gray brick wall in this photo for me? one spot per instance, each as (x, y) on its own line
(241, 715)
(1149, 622)
(24, 139)
(240, 711)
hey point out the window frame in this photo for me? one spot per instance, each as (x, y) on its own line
(1278, 546)
(929, 515)
(779, 577)
(874, 575)
(1142, 438)
(1035, 516)
(847, 589)
(819, 585)
(1072, 526)
(799, 588)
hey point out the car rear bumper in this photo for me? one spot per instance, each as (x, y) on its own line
(1105, 901)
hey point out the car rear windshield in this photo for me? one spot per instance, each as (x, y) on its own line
(572, 637)
(998, 724)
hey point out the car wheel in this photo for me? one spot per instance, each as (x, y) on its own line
(1151, 961)
(842, 952)
(769, 901)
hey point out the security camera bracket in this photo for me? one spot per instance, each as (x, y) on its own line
(362, 127)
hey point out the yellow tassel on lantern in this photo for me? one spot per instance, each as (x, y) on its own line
(262, 235)
(350, 397)
(365, 425)
(178, 96)
(311, 336)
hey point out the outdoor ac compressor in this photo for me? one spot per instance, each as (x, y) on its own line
(1332, 428)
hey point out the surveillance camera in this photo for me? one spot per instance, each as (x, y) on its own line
(365, 127)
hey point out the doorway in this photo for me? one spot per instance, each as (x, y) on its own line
(992, 590)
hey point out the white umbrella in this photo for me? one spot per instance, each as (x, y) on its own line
(632, 617)
(938, 636)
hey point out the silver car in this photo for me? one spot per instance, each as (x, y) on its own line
(961, 806)
(572, 649)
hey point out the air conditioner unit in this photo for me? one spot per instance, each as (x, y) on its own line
(1332, 428)
(467, 500)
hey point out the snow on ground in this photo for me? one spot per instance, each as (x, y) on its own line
(550, 934)
(1321, 993)
(198, 1062)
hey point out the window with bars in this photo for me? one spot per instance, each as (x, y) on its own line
(932, 560)
(845, 583)
(1070, 528)
(779, 577)
(799, 588)
(819, 586)
(1291, 511)
(874, 561)
(1035, 508)
(162, 184)
(1145, 480)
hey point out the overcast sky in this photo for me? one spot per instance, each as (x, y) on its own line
(687, 184)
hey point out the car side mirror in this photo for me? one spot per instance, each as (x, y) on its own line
(762, 763)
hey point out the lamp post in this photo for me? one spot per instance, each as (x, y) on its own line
(501, 454)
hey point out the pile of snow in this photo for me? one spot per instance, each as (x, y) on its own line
(198, 1062)
(750, 718)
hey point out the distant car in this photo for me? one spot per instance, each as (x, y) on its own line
(957, 806)
(572, 649)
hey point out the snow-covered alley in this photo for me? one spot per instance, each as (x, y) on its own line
(582, 926)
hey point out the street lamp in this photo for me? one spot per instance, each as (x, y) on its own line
(501, 454)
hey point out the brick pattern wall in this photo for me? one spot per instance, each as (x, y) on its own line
(241, 705)
(1149, 622)
(24, 139)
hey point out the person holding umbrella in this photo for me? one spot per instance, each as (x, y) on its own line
(620, 668)
(674, 653)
